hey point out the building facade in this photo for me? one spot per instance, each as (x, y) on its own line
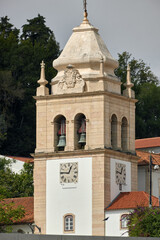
(85, 147)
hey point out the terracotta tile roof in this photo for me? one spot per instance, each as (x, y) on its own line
(147, 142)
(130, 200)
(144, 158)
(28, 204)
(23, 159)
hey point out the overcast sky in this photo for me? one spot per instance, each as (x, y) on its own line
(124, 25)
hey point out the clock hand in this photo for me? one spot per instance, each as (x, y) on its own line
(70, 169)
(64, 172)
(119, 172)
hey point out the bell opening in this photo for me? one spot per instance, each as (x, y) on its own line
(82, 133)
(61, 134)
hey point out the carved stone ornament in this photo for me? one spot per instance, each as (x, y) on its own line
(71, 82)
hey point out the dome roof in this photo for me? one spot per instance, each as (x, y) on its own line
(84, 50)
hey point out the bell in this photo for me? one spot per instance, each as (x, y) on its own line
(62, 141)
(82, 139)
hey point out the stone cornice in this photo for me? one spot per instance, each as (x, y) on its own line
(85, 94)
(79, 153)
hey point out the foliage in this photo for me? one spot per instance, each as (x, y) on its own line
(13, 184)
(147, 92)
(144, 222)
(20, 58)
(8, 214)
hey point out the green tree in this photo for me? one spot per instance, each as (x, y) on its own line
(22, 57)
(13, 184)
(8, 214)
(146, 91)
(144, 222)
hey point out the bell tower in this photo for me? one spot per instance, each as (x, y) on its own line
(85, 147)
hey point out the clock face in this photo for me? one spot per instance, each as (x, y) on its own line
(69, 172)
(120, 174)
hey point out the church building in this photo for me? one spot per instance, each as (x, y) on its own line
(85, 138)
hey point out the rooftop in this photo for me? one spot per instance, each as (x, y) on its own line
(145, 158)
(28, 204)
(130, 200)
(22, 159)
(147, 142)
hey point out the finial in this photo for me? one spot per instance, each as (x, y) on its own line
(85, 5)
(42, 89)
(128, 92)
(129, 75)
(85, 20)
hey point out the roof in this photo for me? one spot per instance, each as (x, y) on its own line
(144, 158)
(23, 159)
(147, 142)
(28, 204)
(130, 200)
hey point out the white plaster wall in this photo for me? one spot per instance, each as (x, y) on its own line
(23, 227)
(114, 187)
(155, 186)
(141, 179)
(153, 149)
(112, 225)
(16, 166)
(77, 200)
(155, 180)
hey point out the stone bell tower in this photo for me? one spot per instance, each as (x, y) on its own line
(85, 147)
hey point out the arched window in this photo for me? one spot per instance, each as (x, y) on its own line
(69, 223)
(60, 132)
(114, 131)
(80, 131)
(124, 220)
(124, 139)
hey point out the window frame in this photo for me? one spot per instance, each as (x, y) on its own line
(67, 216)
(122, 217)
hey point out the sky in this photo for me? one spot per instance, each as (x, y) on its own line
(124, 25)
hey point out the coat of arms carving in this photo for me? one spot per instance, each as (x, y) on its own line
(71, 82)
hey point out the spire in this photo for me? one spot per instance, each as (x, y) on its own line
(42, 90)
(128, 92)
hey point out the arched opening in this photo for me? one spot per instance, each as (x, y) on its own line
(60, 132)
(80, 131)
(69, 223)
(114, 131)
(124, 139)
(20, 231)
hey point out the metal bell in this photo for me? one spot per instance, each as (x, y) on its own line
(82, 139)
(62, 141)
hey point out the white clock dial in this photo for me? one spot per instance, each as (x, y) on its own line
(120, 174)
(69, 172)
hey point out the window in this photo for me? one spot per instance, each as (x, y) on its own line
(124, 139)
(69, 222)
(124, 221)
(114, 131)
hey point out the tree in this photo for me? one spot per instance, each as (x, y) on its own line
(9, 214)
(14, 184)
(21, 56)
(146, 91)
(144, 222)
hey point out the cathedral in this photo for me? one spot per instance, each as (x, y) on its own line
(85, 138)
